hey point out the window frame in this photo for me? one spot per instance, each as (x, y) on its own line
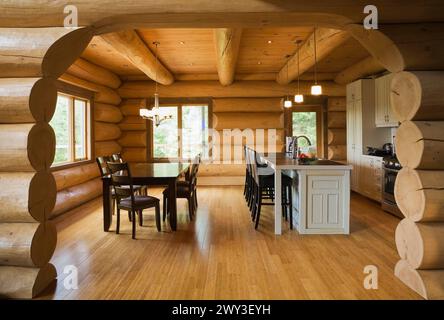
(311, 104)
(73, 92)
(179, 103)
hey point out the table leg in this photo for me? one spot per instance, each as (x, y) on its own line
(172, 205)
(277, 202)
(107, 204)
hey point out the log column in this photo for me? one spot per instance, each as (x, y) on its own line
(419, 190)
(31, 60)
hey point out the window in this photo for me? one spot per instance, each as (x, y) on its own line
(185, 135)
(307, 121)
(71, 124)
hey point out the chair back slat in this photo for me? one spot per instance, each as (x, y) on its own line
(103, 168)
(117, 157)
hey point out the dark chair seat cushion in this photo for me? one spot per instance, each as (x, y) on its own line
(268, 180)
(140, 202)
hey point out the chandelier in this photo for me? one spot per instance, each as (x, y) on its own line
(154, 114)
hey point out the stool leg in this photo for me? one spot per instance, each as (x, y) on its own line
(259, 203)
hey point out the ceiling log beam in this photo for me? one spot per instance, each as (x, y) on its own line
(129, 44)
(326, 41)
(364, 68)
(227, 42)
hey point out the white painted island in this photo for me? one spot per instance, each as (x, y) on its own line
(321, 194)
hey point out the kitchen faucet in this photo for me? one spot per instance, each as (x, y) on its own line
(295, 149)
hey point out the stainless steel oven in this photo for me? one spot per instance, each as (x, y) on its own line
(391, 169)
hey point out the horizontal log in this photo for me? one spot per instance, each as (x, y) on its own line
(66, 178)
(131, 107)
(247, 105)
(418, 95)
(234, 154)
(420, 144)
(427, 283)
(421, 244)
(133, 123)
(102, 94)
(25, 283)
(420, 194)
(364, 68)
(27, 244)
(86, 70)
(337, 119)
(338, 152)
(26, 147)
(250, 137)
(106, 131)
(222, 170)
(133, 139)
(77, 195)
(134, 154)
(106, 148)
(27, 100)
(107, 113)
(337, 104)
(321, 76)
(337, 137)
(244, 120)
(240, 89)
(26, 197)
(23, 49)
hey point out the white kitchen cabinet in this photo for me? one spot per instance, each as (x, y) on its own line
(384, 115)
(362, 132)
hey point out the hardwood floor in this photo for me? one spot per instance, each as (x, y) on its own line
(220, 256)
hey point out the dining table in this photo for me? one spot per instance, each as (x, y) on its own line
(148, 174)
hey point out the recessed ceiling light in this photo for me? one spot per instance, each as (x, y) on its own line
(269, 41)
(182, 42)
(259, 62)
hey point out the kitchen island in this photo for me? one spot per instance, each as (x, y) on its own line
(321, 194)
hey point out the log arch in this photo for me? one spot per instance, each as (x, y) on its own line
(62, 54)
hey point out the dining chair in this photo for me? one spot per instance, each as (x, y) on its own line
(186, 189)
(127, 199)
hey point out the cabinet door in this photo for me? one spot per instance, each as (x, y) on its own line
(380, 104)
(357, 120)
(324, 202)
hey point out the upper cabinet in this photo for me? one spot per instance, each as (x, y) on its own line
(384, 116)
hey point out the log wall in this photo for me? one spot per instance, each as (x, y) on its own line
(30, 60)
(419, 188)
(80, 184)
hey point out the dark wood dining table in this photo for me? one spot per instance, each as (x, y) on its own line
(148, 174)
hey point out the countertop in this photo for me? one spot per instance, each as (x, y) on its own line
(284, 162)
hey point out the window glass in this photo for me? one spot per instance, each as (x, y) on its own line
(60, 124)
(80, 129)
(165, 138)
(71, 127)
(304, 123)
(194, 131)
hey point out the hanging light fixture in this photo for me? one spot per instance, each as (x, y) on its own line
(287, 101)
(316, 89)
(154, 114)
(298, 98)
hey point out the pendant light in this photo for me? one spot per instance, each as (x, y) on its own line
(298, 98)
(316, 89)
(154, 114)
(287, 101)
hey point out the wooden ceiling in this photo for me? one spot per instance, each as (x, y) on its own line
(192, 51)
